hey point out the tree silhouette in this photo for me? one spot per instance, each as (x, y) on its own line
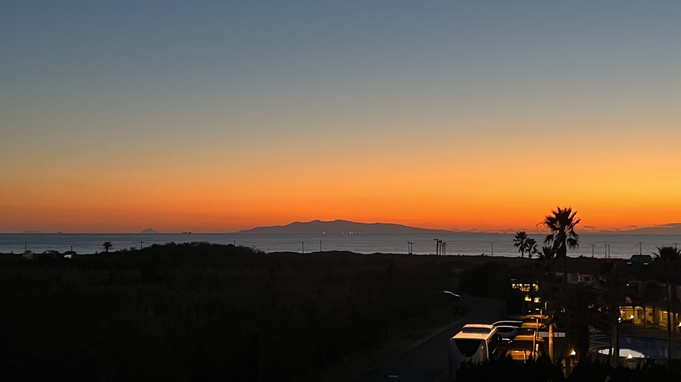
(651, 293)
(561, 223)
(667, 259)
(547, 289)
(531, 247)
(107, 245)
(520, 241)
(613, 283)
(583, 309)
(546, 258)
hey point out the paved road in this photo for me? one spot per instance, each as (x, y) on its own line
(428, 361)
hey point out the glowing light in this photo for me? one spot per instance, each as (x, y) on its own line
(625, 353)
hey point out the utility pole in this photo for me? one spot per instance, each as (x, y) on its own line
(410, 247)
(141, 242)
(491, 242)
(444, 248)
(640, 248)
(605, 248)
(303, 244)
(592, 250)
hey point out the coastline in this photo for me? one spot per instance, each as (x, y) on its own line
(597, 245)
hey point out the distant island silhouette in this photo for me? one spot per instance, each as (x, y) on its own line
(340, 227)
(663, 229)
(350, 227)
(149, 230)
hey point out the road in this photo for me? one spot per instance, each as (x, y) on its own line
(428, 361)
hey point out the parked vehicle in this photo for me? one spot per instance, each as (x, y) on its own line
(507, 331)
(477, 328)
(525, 347)
(529, 328)
(472, 347)
(515, 323)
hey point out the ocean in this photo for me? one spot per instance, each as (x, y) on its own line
(598, 245)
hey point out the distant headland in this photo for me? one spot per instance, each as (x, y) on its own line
(664, 229)
(350, 227)
(340, 227)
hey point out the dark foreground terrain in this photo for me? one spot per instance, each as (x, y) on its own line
(206, 312)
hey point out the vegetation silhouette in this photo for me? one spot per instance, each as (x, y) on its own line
(561, 223)
(505, 369)
(197, 311)
(667, 259)
(613, 282)
(531, 247)
(520, 241)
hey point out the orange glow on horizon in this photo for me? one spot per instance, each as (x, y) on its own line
(441, 187)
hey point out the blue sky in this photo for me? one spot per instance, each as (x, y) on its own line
(254, 90)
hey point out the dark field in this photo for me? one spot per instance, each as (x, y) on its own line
(207, 312)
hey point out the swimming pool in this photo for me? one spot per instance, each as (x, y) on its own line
(634, 347)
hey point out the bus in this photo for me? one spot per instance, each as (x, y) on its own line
(473, 347)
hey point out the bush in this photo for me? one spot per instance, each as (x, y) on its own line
(197, 311)
(506, 369)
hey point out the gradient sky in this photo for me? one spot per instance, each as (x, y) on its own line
(216, 116)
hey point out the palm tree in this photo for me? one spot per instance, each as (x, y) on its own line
(546, 289)
(613, 284)
(583, 307)
(667, 258)
(520, 241)
(651, 293)
(531, 247)
(546, 257)
(561, 223)
(107, 245)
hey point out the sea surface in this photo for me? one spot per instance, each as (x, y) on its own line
(489, 244)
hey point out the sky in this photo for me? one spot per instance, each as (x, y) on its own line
(217, 116)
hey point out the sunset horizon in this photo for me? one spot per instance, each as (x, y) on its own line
(534, 229)
(223, 117)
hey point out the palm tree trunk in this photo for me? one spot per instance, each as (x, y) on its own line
(615, 356)
(669, 320)
(673, 323)
(551, 341)
(568, 367)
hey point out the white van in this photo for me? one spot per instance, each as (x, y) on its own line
(471, 347)
(477, 328)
